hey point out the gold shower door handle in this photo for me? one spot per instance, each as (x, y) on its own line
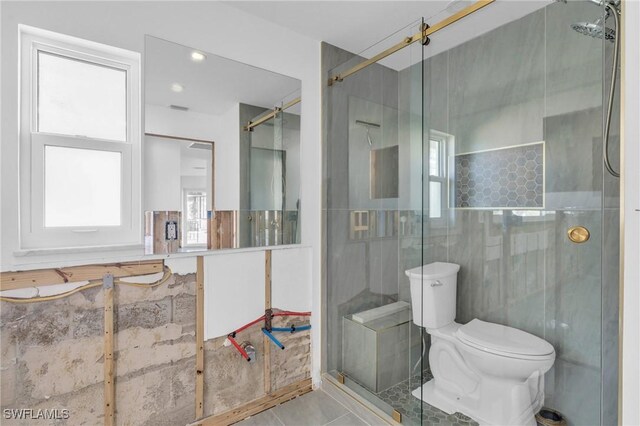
(578, 234)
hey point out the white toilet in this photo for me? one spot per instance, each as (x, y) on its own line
(489, 372)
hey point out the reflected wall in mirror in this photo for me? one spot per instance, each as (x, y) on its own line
(222, 152)
(179, 178)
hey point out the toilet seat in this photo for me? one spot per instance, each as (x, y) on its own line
(504, 341)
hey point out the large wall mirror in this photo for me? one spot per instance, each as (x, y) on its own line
(221, 152)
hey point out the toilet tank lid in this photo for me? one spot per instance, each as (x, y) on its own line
(434, 270)
(502, 339)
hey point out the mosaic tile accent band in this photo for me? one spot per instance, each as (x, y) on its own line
(503, 178)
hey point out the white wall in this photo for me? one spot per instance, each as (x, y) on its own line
(227, 162)
(630, 309)
(208, 26)
(162, 168)
(228, 307)
(188, 124)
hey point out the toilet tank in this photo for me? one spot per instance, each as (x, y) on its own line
(433, 294)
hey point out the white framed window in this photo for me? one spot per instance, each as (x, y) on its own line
(80, 143)
(438, 180)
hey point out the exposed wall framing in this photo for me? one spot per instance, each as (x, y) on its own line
(132, 318)
(266, 348)
(269, 401)
(109, 384)
(200, 338)
(43, 277)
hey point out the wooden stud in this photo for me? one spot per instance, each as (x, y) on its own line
(213, 178)
(43, 277)
(109, 387)
(200, 338)
(259, 405)
(266, 344)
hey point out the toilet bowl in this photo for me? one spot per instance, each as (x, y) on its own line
(489, 372)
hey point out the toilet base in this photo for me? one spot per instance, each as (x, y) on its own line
(468, 406)
(429, 394)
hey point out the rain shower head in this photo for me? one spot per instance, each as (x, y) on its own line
(598, 29)
(595, 29)
(367, 125)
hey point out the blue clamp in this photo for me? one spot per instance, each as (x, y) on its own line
(292, 329)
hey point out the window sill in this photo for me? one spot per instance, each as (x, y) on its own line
(74, 250)
(25, 260)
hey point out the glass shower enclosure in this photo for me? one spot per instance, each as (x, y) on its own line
(486, 155)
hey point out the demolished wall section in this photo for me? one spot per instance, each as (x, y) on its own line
(51, 357)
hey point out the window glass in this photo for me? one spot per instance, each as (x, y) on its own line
(435, 199)
(434, 158)
(196, 224)
(82, 187)
(79, 98)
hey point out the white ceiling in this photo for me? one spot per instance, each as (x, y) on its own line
(211, 86)
(364, 27)
(357, 25)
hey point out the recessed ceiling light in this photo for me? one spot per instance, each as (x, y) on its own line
(197, 56)
(177, 87)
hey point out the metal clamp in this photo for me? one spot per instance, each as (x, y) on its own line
(425, 39)
(268, 317)
(107, 281)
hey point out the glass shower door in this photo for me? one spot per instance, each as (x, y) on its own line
(520, 112)
(374, 226)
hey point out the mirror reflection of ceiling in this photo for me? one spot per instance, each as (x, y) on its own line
(194, 157)
(210, 85)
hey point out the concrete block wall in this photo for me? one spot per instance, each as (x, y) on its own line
(51, 357)
(230, 381)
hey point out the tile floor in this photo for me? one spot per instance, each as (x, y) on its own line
(316, 408)
(400, 398)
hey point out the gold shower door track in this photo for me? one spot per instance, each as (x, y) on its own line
(250, 125)
(421, 35)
